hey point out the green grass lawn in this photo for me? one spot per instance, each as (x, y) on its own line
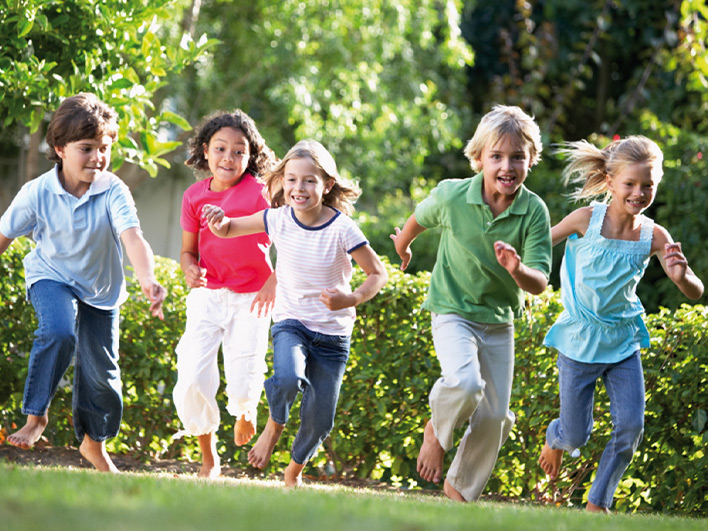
(56, 499)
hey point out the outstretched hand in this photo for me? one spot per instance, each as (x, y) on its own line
(507, 256)
(676, 262)
(265, 298)
(156, 294)
(405, 254)
(215, 216)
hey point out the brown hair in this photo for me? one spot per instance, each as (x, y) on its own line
(590, 166)
(341, 196)
(80, 117)
(260, 158)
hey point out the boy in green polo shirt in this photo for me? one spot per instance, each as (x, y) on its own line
(495, 244)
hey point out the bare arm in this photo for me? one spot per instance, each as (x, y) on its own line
(402, 239)
(675, 264)
(225, 227)
(376, 278)
(4, 242)
(189, 260)
(143, 262)
(527, 278)
(574, 223)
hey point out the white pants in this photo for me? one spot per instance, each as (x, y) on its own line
(219, 317)
(477, 364)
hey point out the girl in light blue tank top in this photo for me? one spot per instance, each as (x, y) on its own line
(600, 332)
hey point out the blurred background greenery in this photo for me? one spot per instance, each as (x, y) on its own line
(393, 89)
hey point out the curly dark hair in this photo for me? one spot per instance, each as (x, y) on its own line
(80, 117)
(261, 157)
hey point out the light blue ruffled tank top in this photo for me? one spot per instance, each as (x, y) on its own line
(602, 317)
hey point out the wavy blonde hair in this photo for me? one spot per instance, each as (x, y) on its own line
(341, 196)
(589, 166)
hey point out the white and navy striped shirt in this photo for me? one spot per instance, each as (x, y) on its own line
(309, 260)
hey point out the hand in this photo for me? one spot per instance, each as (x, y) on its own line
(676, 263)
(507, 256)
(265, 298)
(195, 276)
(336, 299)
(156, 294)
(405, 254)
(215, 216)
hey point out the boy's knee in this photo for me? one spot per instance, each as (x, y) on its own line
(471, 385)
(64, 337)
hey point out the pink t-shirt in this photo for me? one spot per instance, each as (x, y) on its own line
(241, 264)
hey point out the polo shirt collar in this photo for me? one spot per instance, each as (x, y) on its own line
(99, 185)
(519, 206)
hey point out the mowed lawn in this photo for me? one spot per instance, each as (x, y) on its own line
(72, 499)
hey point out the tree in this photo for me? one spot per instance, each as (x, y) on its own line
(122, 50)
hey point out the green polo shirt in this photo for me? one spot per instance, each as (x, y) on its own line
(467, 279)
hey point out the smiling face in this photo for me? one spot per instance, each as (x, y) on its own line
(227, 155)
(634, 188)
(83, 161)
(304, 186)
(505, 166)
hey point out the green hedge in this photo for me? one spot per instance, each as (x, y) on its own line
(383, 404)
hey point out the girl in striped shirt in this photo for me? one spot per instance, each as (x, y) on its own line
(313, 316)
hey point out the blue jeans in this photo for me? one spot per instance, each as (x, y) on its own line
(624, 382)
(68, 327)
(313, 364)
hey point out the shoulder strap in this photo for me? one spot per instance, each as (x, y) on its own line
(597, 217)
(647, 233)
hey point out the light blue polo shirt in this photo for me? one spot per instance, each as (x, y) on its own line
(78, 238)
(467, 279)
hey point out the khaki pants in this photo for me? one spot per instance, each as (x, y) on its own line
(477, 365)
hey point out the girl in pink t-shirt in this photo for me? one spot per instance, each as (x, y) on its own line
(232, 281)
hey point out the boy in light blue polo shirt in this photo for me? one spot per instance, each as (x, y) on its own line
(495, 245)
(78, 213)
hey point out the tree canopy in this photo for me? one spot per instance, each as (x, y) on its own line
(122, 50)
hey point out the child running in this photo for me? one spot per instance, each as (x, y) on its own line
(601, 331)
(476, 290)
(314, 308)
(78, 213)
(233, 285)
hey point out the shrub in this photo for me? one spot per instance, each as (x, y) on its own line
(383, 403)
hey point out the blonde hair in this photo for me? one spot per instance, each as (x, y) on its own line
(590, 166)
(341, 196)
(505, 121)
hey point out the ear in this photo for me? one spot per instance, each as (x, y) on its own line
(329, 185)
(60, 151)
(205, 147)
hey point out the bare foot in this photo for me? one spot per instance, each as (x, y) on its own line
(30, 433)
(292, 477)
(430, 458)
(452, 493)
(592, 508)
(95, 453)
(260, 454)
(211, 464)
(244, 430)
(550, 461)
